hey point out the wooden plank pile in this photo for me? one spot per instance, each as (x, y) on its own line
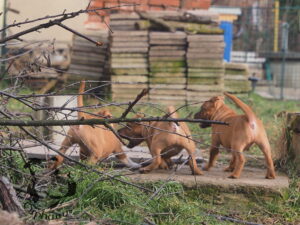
(128, 63)
(236, 78)
(205, 67)
(167, 67)
(88, 61)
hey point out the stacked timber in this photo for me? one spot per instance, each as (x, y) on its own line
(205, 67)
(128, 63)
(87, 60)
(236, 78)
(167, 67)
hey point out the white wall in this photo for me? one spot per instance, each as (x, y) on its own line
(32, 9)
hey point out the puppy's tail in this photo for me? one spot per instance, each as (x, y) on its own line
(172, 112)
(80, 98)
(247, 110)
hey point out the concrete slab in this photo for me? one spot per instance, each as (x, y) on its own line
(273, 92)
(252, 179)
(37, 151)
(139, 153)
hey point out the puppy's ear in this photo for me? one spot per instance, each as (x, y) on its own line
(217, 98)
(217, 101)
(220, 98)
(140, 115)
(105, 113)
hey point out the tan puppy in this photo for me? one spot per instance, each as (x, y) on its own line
(161, 141)
(96, 142)
(242, 132)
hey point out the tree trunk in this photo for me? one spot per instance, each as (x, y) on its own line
(293, 123)
(8, 197)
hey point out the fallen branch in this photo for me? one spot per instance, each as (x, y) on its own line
(38, 123)
(226, 218)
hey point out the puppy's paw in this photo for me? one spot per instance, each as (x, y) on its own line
(170, 163)
(228, 169)
(163, 165)
(144, 170)
(232, 176)
(197, 172)
(268, 176)
(52, 164)
(205, 168)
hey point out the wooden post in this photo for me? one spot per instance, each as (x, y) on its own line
(8, 197)
(276, 25)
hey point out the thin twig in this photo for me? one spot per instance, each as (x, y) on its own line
(226, 218)
(131, 104)
(97, 43)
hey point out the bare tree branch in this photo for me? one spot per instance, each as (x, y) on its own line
(131, 104)
(38, 123)
(97, 43)
(64, 16)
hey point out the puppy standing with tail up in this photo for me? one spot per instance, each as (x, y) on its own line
(96, 142)
(243, 131)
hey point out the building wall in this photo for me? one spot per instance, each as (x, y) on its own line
(242, 3)
(99, 21)
(32, 9)
(39, 8)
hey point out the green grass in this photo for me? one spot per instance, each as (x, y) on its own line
(125, 204)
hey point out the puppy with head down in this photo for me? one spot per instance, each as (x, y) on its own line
(163, 141)
(242, 132)
(96, 142)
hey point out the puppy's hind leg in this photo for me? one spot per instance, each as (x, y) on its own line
(67, 143)
(169, 162)
(264, 145)
(214, 152)
(239, 162)
(156, 161)
(231, 166)
(192, 160)
(163, 165)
